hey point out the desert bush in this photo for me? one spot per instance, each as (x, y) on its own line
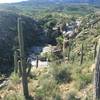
(83, 80)
(14, 97)
(32, 75)
(60, 41)
(48, 90)
(60, 73)
(89, 95)
(15, 79)
(71, 96)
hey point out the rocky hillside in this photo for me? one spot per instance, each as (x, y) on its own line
(70, 42)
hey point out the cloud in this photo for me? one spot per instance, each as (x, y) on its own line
(10, 1)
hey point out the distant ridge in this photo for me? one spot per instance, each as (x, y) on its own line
(70, 1)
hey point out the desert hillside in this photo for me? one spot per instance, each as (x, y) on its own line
(49, 50)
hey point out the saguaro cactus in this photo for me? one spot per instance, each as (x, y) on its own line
(22, 59)
(65, 45)
(95, 50)
(15, 62)
(19, 68)
(97, 73)
(69, 50)
(81, 61)
(37, 61)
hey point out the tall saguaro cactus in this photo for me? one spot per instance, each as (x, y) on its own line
(37, 61)
(65, 45)
(95, 49)
(81, 61)
(69, 51)
(22, 59)
(97, 73)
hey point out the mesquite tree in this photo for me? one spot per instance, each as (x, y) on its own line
(22, 59)
(97, 73)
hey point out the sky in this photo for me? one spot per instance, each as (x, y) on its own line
(10, 1)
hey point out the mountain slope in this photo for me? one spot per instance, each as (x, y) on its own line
(8, 36)
(37, 9)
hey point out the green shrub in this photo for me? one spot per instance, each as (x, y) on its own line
(59, 41)
(89, 95)
(14, 97)
(15, 79)
(71, 96)
(48, 89)
(32, 75)
(60, 73)
(83, 80)
(57, 97)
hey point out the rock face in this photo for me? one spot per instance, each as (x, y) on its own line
(4, 83)
(8, 36)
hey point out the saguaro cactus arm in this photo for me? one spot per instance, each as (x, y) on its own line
(15, 62)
